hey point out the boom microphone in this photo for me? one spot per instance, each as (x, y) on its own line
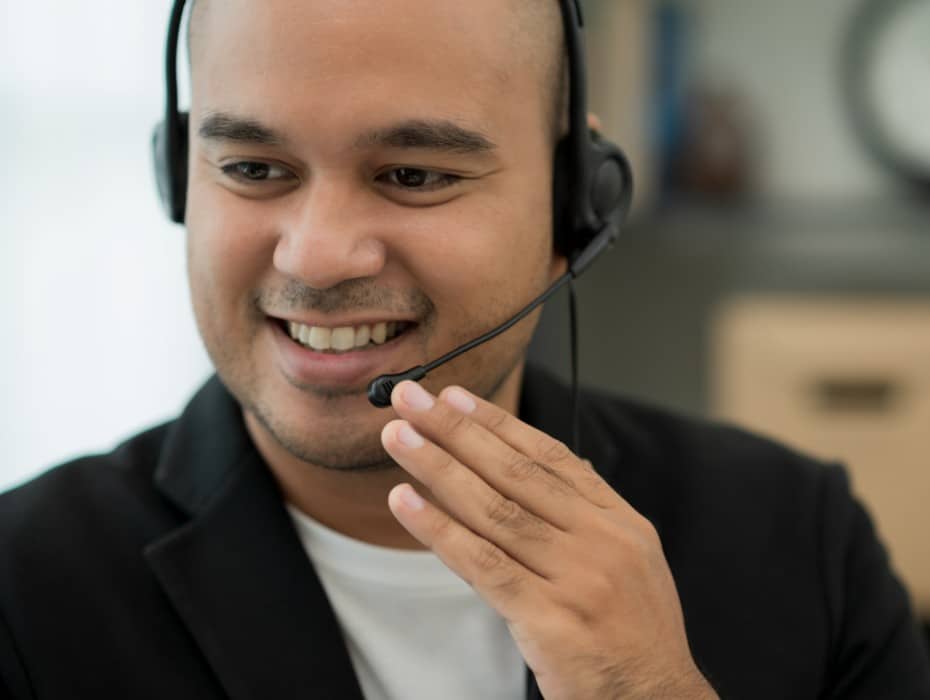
(379, 390)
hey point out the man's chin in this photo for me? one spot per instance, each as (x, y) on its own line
(329, 432)
(339, 460)
(323, 394)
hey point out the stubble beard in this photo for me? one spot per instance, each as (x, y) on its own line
(346, 455)
(347, 451)
(354, 454)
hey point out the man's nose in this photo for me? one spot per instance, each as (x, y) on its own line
(332, 236)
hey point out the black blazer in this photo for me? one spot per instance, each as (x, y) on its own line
(169, 568)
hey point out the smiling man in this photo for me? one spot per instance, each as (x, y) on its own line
(369, 185)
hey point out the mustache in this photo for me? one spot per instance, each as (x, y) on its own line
(348, 295)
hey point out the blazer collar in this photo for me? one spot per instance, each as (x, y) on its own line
(236, 572)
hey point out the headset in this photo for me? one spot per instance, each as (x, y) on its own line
(592, 188)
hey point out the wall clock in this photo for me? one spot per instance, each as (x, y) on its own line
(886, 81)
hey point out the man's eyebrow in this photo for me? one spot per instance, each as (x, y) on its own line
(433, 135)
(439, 135)
(220, 126)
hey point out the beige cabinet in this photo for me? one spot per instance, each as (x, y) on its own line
(843, 379)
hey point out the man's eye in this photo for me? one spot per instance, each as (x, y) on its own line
(420, 180)
(252, 171)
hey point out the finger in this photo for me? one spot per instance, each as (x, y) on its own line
(534, 484)
(509, 588)
(464, 495)
(541, 448)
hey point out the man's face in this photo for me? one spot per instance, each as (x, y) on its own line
(357, 163)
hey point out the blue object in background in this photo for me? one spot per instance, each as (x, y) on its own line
(672, 43)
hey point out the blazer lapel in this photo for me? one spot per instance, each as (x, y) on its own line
(236, 572)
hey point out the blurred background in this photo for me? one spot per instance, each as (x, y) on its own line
(776, 272)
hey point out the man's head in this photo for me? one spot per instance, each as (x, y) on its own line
(355, 162)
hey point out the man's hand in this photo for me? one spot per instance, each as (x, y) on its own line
(578, 575)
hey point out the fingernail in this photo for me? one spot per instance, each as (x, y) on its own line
(410, 498)
(460, 400)
(409, 437)
(416, 397)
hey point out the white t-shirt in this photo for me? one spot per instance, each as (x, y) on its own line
(414, 629)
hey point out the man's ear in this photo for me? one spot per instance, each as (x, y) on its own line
(594, 123)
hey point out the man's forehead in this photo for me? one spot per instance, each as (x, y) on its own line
(439, 60)
(533, 28)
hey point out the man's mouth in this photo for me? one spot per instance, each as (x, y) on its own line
(345, 339)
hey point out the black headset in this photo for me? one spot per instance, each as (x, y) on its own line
(593, 182)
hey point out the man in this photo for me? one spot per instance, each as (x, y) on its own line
(370, 186)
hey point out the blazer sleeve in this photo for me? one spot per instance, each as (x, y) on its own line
(878, 650)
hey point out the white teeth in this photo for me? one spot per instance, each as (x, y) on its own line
(320, 338)
(343, 338)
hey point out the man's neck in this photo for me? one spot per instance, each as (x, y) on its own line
(353, 503)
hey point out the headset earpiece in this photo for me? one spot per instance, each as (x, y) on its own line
(610, 182)
(169, 150)
(578, 219)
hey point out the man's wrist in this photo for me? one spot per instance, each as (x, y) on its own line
(691, 685)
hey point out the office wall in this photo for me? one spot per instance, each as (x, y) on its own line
(785, 58)
(98, 340)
